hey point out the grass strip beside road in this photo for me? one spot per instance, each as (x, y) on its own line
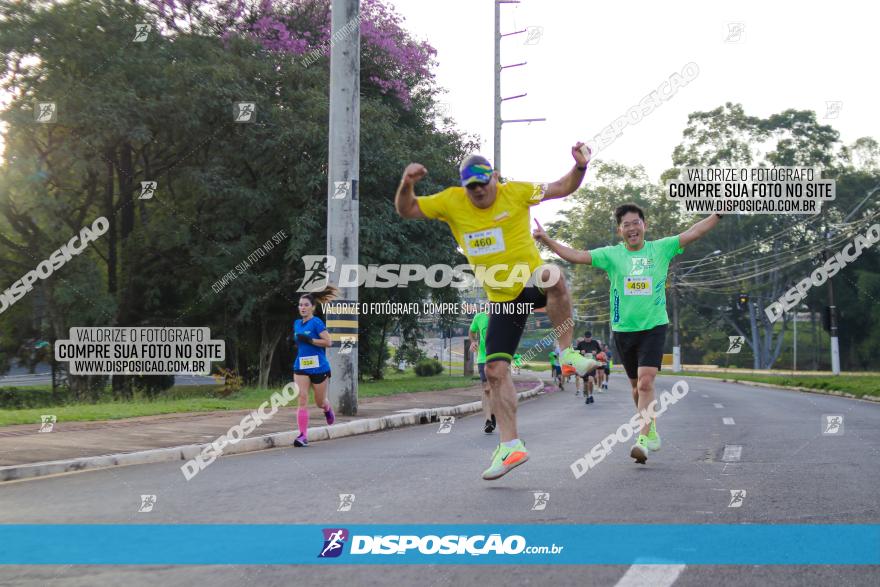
(857, 385)
(202, 400)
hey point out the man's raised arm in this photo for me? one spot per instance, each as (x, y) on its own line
(571, 181)
(698, 230)
(405, 200)
(569, 254)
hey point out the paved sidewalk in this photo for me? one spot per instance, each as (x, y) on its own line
(24, 444)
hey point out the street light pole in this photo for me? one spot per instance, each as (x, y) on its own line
(499, 122)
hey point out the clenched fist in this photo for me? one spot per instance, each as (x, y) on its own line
(414, 172)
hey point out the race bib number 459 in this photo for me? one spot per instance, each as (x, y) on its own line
(484, 242)
(637, 286)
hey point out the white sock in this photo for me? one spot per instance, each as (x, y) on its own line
(511, 443)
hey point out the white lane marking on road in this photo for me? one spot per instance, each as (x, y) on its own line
(728, 421)
(650, 576)
(732, 452)
(719, 406)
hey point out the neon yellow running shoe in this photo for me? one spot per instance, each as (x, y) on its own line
(653, 437)
(581, 364)
(640, 450)
(504, 459)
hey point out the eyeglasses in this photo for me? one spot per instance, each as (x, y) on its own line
(634, 224)
(475, 185)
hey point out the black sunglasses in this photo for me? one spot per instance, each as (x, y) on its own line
(474, 185)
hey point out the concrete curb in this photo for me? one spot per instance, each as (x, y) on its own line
(276, 440)
(867, 398)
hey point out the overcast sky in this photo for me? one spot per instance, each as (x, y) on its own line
(596, 59)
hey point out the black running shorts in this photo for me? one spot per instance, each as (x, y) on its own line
(481, 367)
(315, 378)
(643, 348)
(507, 321)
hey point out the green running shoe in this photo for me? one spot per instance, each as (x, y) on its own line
(640, 450)
(504, 459)
(653, 437)
(581, 364)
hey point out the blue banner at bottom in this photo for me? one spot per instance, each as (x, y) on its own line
(256, 544)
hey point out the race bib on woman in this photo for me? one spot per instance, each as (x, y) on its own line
(308, 362)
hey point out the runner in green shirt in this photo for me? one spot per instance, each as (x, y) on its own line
(479, 326)
(637, 270)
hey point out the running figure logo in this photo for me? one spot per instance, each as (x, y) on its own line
(147, 503)
(533, 35)
(141, 31)
(640, 265)
(736, 498)
(541, 499)
(735, 32)
(318, 268)
(47, 423)
(736, 344)
(346, 344)
(244, 111)
(148, 188)
(45, 112)
(833, 108)
(538, 191)
(446, 423)
(832, 424)
(341, 189)
(334, 540)
(346, 500)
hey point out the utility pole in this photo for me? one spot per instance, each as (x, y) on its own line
(832, 309)
(498, 68)
(676, 346)
(342, 196)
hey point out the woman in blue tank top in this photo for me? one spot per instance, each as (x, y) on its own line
(310, 367)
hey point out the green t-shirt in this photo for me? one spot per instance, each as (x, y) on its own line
(480, 324)
(517, 360)
(638, 282)
(554, 360)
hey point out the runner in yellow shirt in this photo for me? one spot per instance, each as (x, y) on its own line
(490, 222)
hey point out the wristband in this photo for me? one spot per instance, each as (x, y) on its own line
(584, 168)
(718, 215)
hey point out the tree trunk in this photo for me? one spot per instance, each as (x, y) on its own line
(756, 340)
(268, 342)
(110, 214)
(377, 372)
(815, 341)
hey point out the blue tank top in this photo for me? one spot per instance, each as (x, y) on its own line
(310, 358)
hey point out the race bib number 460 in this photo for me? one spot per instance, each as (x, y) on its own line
(308, 362)
(484, 242)
(637, 286)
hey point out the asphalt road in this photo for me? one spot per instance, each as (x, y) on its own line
(790, 471)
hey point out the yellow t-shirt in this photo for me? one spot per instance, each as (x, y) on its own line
(496, 235)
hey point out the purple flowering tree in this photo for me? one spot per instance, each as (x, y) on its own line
(392, 62)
